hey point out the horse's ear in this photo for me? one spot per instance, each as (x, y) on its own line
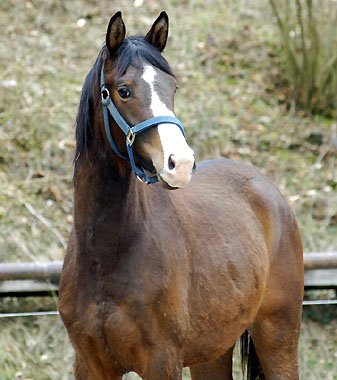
(157, 36)
(116, 33)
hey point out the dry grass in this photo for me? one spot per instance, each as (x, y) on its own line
(225, 56)
(38, 349)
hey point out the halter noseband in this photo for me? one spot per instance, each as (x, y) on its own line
(130, 132)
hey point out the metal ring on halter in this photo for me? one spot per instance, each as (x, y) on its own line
(130, 137)
(105, 93)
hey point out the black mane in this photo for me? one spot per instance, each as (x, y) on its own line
(84, 115)
(133, 52)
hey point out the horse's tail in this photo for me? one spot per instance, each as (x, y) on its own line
(249, 360)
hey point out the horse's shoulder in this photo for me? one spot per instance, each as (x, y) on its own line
(230, 170)
(245, 184)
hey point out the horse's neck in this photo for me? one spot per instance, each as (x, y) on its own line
(105, 207)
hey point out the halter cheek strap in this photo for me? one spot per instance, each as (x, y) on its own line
(130, 132)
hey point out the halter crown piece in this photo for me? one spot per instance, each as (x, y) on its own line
(130, 132)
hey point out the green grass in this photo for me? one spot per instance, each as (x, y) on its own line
(225, 56)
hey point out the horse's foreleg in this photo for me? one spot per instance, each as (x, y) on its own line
(160, 372)
(164, 364)
(218, 369)
(81, 372)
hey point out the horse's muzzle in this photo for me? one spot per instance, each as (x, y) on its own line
(178, 171)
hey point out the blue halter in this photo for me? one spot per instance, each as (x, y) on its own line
(130, 132)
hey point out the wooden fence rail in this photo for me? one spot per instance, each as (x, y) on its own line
(32, 271)
(41, 277)
(320, 260)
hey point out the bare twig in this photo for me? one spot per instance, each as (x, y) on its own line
(39, 217)
(46, 223)
(287, 40)
(305, 65)
(326, 147)
(315, 50)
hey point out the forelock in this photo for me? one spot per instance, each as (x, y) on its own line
(134, 51)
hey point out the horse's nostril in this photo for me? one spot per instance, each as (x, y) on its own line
(171, 162)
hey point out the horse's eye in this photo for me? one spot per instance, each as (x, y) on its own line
(124, 93)
(176, 89)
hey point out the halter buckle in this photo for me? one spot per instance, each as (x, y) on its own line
(130, 138)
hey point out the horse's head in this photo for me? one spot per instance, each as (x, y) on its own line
(142, 86)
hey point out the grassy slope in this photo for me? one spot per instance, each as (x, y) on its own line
(224, 56)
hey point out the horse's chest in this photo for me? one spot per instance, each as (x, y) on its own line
(119, 326)
(106, 337)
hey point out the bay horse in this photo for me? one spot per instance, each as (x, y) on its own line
(156, 280)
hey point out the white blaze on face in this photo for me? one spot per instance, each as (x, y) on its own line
(172, 140)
